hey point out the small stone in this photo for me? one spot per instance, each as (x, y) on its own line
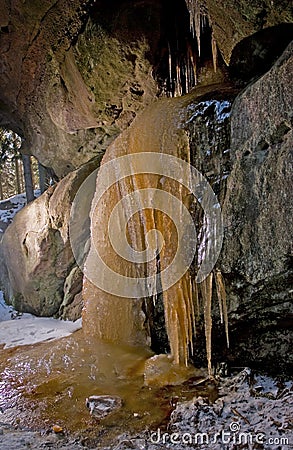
(57, 429)
(101, 406)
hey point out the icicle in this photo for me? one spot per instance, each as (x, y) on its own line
(193, 62)
(189, 314)
(197, 20)
(182, 315)
(190, 7)
(195, 299)
(214, 52)
(178, 89)
(206, 292)
(221, 293)
(170, 69)
(192, 59)
(186, 73)
(175, 336)
(191, 321)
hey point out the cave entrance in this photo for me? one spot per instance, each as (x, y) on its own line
(20, 172)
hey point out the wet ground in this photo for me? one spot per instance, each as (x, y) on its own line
(47, 384)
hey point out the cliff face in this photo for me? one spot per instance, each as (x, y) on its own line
(75, 74)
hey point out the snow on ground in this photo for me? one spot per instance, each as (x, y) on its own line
(10, 206)
(23, 329)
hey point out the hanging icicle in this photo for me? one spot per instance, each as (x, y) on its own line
(170, 70)
(199, 19)
(195, 299)
(206, 292)
(197, 22)
(221, 293)
(178, 84)
(194, 8)
(214, 52)
(191, 58)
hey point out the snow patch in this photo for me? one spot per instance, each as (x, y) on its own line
(222, 110)
(10, 206)
(25, 329)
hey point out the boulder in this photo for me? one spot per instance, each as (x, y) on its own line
(234, 21)
(256, 257)
(39, 273)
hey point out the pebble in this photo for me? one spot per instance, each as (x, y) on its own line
(101, 406)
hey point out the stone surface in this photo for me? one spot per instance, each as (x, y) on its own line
(70, 79)
(233, 20)
(101, 406)
(38, 268)
(257, 253)
(71, 306)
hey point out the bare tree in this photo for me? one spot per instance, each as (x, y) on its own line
(28, 178)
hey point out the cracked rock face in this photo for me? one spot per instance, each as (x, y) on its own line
(71, 79)
(235, 20)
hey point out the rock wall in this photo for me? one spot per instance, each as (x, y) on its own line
(233, 21)
(257, 253)
(70, 78)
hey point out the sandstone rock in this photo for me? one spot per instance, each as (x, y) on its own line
(70, 93)
(260, 184)
(74, 76)
(72, 303)
(38, 270)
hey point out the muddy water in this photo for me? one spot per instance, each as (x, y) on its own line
(48, 383)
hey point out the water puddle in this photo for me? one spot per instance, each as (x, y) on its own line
(47, 384)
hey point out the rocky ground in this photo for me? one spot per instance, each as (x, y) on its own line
(252, 412)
